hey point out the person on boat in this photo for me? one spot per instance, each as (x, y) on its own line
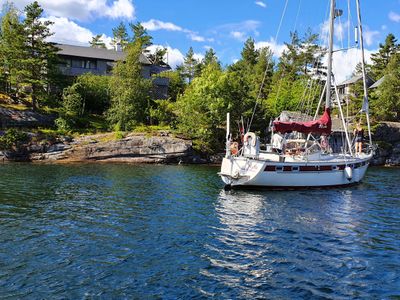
(277, 141)
(325, 143)
(358, 137)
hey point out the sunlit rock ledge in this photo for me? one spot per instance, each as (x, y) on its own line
(132, 148)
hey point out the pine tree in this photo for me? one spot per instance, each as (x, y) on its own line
(382, 58)
(158, 57)
(388, 103)
(97, 42)
(40, 64)
(130, 92)
(249, 52)
(12, 48)
(189, 65)
(140, 35)
(210, 57)
(120, 36)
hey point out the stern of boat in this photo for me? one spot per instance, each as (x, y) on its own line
(240, 170)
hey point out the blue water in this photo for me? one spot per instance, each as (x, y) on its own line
(172, 232)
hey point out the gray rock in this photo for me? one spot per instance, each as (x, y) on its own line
(58, 147)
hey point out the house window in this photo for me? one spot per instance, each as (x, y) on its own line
(90, 64)
(77, 63)
(65, 62)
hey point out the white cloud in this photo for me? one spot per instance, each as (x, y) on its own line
(84, 10)
(344, 62)
(63, 28)
(239, 30)
(153, 25)
(395, 17)
(120, 9)
(261, 3)
(340, 31)
(276, 48)
(238, 35)
(198, 56)
(369, 36)
(195, 37)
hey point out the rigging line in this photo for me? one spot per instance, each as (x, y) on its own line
(308, 86)
(348, 24)
(267, 68)
(317, 59)
(341, 31)
(297, 16)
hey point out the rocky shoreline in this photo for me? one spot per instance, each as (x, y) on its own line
(162, 148)
(132, 148)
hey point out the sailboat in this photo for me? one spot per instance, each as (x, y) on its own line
(305, 161)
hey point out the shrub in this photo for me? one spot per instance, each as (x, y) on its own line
(13, 139)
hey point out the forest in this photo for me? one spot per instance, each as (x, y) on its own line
(254, 89)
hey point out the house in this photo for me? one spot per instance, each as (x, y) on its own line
(345, 88)
(78, 60)
(377, 84)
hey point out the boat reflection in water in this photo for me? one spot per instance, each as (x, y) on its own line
(282, 244)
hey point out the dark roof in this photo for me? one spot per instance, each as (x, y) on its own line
(90, 52)
(354, 79)
(351, 80)
(378, 83)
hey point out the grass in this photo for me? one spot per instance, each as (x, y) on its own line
(14, 106)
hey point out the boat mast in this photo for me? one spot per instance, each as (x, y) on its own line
(329, 74)
(364, 73)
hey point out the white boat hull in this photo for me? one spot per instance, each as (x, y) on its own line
(242, 171)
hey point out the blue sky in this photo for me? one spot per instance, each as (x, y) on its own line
(220, 24)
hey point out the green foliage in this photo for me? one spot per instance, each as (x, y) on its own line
(209, 57)
(140, 36)
(382, 57)
(71, 110)
(158, 57)
(97, 42)
(72, 101)
(130, 92)
(13, 139)
(12, 47)
(388, 105)
(94, 90)
(163, 112)
(120, 36)
(288, 94)
(176, 85)
(203, 107)
(39, 64)
(302, 57)
(247, 76)
(189, 66)
(119, 135)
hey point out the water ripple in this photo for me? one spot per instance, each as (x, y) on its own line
(124, 231)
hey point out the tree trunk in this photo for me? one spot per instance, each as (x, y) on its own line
(34, 100)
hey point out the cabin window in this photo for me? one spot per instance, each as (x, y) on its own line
(66, 63)
(77, 63)
(295, 169)
(90, 64)
(279, 169)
